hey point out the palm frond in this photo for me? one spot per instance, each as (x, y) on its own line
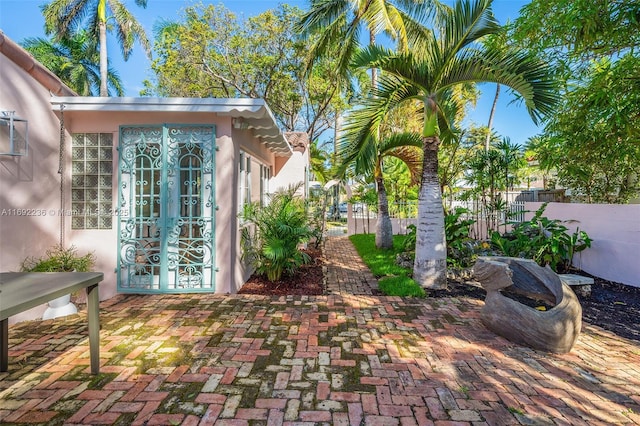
(467, 22)
(525, 74)
(63, 17)
(128, 29)
(412, 157)
(321, 14)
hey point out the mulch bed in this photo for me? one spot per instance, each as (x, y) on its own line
(613, 306)
(308, 280)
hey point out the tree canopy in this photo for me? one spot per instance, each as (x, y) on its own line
(592, 142)
(210, 52)
(76, 61)
(65, 17)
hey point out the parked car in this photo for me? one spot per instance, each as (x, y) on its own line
(356, 208)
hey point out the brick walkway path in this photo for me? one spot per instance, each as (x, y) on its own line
(346, 273)
(338, 359)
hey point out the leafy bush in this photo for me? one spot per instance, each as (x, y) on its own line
(273, 234)
(461, 249)
(316, 206)
(410, 238)
(59, 259)
(544, 240)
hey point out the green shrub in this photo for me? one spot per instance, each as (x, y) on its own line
(400, 286)
(272, 236)
(544, 240)
(59, 259)
(410, 238)
(461, 249)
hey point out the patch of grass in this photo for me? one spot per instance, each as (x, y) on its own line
(400, 286)
(514, 410)
(395, 279)
(380, 262)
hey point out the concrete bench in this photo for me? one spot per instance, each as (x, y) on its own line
(579, 284)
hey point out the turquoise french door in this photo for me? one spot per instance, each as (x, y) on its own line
(166, 207)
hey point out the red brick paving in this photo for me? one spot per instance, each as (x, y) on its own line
(347, 358)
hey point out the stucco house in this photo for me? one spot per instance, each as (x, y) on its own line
(151, 186)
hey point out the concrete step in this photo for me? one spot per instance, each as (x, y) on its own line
(579, 284)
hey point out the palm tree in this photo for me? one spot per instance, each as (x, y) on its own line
(75, 61)
(443, 59)
(342, 20)
(318, 159)
(63, 17)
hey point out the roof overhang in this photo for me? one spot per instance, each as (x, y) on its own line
(253, 114)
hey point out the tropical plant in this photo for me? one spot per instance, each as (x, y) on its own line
(590, 143)
(75, 61)
(544, 240)
(316, 206)
(319, 161)
(367, 158)
(331, 20)
(460, 246)
(59, 259)
(491, 171)
(65, 17)
(443, 58)
(273, 233)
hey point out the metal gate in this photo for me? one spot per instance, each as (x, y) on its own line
(166, 205)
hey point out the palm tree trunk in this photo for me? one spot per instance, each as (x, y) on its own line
(491, 115)
(384, 230)
(103, 59)
(430, 266)
(374, 71)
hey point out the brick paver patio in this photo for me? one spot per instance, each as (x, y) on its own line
(343, 359)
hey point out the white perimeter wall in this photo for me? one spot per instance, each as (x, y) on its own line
(614, 254)
(615, 230)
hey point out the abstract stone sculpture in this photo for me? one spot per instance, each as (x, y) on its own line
(554, 330)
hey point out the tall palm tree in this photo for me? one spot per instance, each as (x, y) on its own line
(342, 20)
(63, 17)
(446, 57)
(75, 61)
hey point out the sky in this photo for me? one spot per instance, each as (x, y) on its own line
(20, 19)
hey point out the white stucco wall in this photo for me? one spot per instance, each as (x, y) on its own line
(615, 230)
(289, 170)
